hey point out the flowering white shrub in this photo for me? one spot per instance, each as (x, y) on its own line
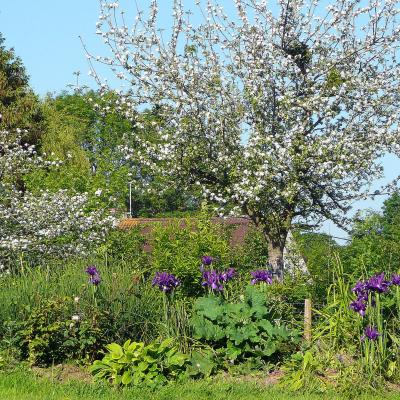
(282, 109)
(14, 157)
(51, 223)
(48, 224)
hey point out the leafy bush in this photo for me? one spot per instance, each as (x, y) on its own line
(137, 364)
(179, 246)
(126, 305)
(253, 254)
(241, 330)
(52, 334)
(125, 245)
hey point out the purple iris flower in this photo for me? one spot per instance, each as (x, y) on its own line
(396, 280)
(95, 279)
(213, 280)
(207, 260)
(370, 333)
(228, 275)
(359, 287)
(359, 306)
(94, 275)
(166, 282)
(261, 275)
(91, 270)
(377, 283)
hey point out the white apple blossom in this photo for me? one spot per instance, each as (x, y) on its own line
(282, 110)
(45, 224)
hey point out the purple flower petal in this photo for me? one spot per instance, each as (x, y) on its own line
(166, 282)
(359, 306)
(92, 270)
(95, 279)
(396, 280)
(371, 333)
(207, 260)
(215, 280)
(378, 283)
(261, 275)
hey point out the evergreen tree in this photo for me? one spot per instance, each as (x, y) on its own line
(19, 106)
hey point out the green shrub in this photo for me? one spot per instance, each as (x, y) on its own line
(241, 330)
(179, 246)
(253, 254)
(137, 364)
(52, 333)
(304, 370)
(132, 308)
(125, 245)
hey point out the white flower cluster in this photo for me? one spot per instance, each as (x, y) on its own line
(50, 224)
(283, 114)
(46, 224)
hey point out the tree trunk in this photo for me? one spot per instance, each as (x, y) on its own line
(275, 258)
(275, 234)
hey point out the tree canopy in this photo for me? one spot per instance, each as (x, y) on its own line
(19, 106)
(282, 114)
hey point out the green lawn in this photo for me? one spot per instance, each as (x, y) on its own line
(25, 386)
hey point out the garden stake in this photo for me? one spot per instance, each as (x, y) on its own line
(307, 320)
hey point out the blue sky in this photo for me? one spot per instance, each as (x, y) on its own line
(45, 34)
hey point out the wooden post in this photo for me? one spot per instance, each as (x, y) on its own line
(307, 320)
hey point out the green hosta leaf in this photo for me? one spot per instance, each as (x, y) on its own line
(153, 367)
(116, 351)
(133, 347)
(142, 366)
(98, 366)
(127, 345)
(138, 377)
(171, 352)
(178, 359)
(165, 345)
(126, 378)
(149, 359)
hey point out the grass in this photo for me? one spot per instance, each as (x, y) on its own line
(23, 385)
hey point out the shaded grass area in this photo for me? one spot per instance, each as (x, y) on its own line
(23, 385)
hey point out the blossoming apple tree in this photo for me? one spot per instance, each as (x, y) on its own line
(279, 110)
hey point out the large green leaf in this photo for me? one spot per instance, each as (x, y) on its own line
(116, 351)
(200, 364)
(126, 378)
(209, 307)
(177, 359)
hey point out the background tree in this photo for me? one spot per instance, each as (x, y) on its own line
(374, 244)
(37, 223)
(19, 106)
(85, 132)
(281, 111)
